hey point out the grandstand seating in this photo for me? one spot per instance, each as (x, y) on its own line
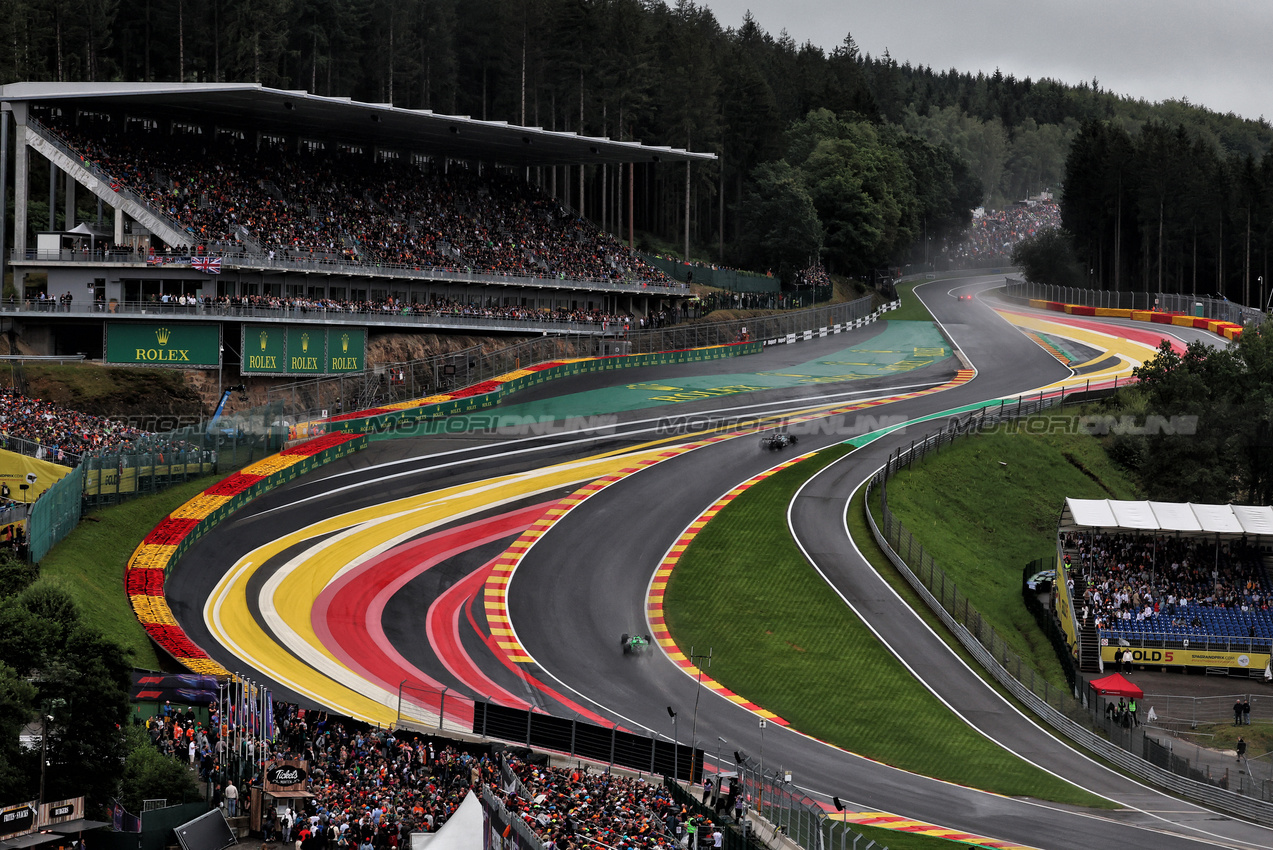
(1173, 589)
(341, 206)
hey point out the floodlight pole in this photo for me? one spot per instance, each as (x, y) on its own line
(694, 659)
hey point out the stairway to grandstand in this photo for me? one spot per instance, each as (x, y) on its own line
(82, 170)
(1089, 637)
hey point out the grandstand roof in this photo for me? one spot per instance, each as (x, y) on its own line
(253, 107)
(1229, 520)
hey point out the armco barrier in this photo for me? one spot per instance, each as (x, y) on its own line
(168, 541)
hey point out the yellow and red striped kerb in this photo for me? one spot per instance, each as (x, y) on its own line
(495, 595)
(658, 587)
(884, 820)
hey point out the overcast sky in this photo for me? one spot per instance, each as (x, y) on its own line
(1215, 53)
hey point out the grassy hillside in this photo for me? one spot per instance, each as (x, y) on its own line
(117, 391)
(989, 504)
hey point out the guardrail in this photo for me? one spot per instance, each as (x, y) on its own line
(1058, 709)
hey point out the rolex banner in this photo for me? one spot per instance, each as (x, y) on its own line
(176, 343)
(303, 350)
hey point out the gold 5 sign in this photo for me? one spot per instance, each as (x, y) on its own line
(303, 350)
(1187, 657)
(178, 343)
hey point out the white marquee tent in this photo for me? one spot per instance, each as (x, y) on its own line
(1158, 517)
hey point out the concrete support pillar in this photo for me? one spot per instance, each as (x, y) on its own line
(4, 185)
(70, 202)
(687, 210)
(53, 170)
(21, 174)
(119, 227)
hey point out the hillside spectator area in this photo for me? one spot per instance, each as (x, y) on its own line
(45, 431)
(994, 233)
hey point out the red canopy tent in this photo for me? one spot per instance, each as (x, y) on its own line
(1116, 685)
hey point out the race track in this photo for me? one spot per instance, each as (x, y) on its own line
(451, 561)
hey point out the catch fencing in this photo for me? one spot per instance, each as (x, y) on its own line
(1071, 714)
(1163, 302)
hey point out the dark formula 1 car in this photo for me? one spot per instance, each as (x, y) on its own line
(635, 644)
(778, 441)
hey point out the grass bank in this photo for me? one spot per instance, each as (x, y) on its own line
(987, 505)
(796, 651)
(113, 391)
(911, 310)
(90, 563)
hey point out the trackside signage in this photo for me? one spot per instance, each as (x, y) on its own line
(303, 350)
(1188, 657)
(179, 344)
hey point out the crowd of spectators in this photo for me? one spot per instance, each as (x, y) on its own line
(814, 276)
(993, 234)
(483, 309)
(1159, 583)
(46, 431)
(371, 788)
(343, 206)
(618, 811)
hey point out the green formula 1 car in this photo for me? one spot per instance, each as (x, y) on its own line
(635, 644)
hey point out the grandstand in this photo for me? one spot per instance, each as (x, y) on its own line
(234, 195)
(1180, 585)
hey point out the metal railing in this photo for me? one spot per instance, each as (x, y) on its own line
(1193, 712)
(1160, 745)
(248, 260)
(455, 320)
(1058, 708)
(795, 814)
(1196, 641)
(1164, 302)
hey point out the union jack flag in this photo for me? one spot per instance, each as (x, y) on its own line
(208, 265)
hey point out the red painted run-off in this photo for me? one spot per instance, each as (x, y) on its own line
(348, 615)
(348, 618)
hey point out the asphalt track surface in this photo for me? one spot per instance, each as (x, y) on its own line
(586, 581)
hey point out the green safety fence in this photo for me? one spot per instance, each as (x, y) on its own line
(55, 513)
(732, 279)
